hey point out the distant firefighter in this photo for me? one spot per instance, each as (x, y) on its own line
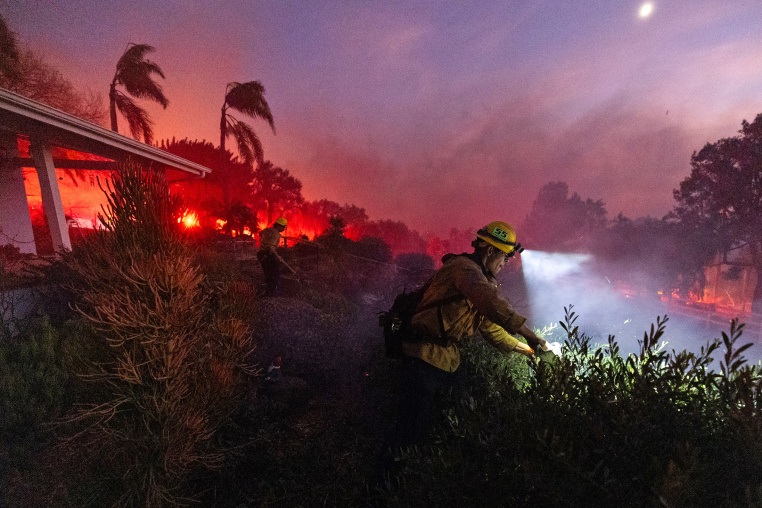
(268, 257)
(460, 299)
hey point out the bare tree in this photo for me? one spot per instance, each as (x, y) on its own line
(43, 83)
(9, 54)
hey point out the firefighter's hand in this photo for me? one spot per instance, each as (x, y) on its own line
(532, 338)
(522, 348)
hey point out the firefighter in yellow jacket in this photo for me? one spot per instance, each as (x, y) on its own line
(462, 298)
(268, 256)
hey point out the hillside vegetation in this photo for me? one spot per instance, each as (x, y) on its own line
(149, 391)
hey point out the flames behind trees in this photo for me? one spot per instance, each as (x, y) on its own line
(721, 200)
(716, 219)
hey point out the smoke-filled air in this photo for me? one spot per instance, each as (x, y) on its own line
(342, 253)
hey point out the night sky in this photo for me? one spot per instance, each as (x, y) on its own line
(439, 114)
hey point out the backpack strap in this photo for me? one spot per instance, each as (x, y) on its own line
(438, 304)
(453, 298)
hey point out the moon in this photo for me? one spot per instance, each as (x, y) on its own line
(646, 9)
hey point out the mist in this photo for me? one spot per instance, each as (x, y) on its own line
(605, 307)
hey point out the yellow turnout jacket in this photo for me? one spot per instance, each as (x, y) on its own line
(481, 307)
(269, 239)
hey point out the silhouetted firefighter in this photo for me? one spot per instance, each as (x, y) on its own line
(268, 256)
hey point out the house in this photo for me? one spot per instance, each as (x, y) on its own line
(52, 132)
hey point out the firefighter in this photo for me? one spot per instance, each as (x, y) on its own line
(268, 256)
(461, 299)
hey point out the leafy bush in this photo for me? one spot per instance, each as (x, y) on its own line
(596, 429)
(173, 368)
(33, 376)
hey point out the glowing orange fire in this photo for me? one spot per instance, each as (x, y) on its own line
(190, 219)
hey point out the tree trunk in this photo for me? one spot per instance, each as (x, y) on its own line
(112, 106)
(756, 258)
(756, 301)
(223, 130)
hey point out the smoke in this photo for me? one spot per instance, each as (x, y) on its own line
(606, 306)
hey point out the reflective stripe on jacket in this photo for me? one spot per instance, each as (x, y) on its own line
(483, 308)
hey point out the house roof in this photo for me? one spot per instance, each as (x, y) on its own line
(28, 117)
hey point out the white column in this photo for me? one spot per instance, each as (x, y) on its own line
(15, 221)
(51, 196)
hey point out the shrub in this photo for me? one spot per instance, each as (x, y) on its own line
(173, 369)
(323, 345)
(596, 429)
(33, 376)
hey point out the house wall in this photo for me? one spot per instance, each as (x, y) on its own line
(15, 222)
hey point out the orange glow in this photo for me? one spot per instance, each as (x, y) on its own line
(190, 220)
(81, 194)
(300, 225)
(219, 224)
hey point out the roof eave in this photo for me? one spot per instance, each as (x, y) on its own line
(54, 119)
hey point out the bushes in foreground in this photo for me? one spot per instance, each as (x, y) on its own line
(593, 429)
(162, 368)
(596, 429)
(166, 363)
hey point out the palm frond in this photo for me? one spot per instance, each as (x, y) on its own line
(248, 98)
(249, 145)
(133, 54)
(137, 118)
(139, 83)
(136, 74)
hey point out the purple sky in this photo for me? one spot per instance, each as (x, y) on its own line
(440, 114)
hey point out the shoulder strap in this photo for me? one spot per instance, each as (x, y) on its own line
(438, 304)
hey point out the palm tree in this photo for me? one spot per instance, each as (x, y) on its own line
(134, 73)
(248, 98)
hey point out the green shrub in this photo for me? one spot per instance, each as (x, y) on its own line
(595, 429)
(33, 377)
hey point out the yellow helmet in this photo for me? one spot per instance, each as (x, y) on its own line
(502, 236)
(281, 221)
